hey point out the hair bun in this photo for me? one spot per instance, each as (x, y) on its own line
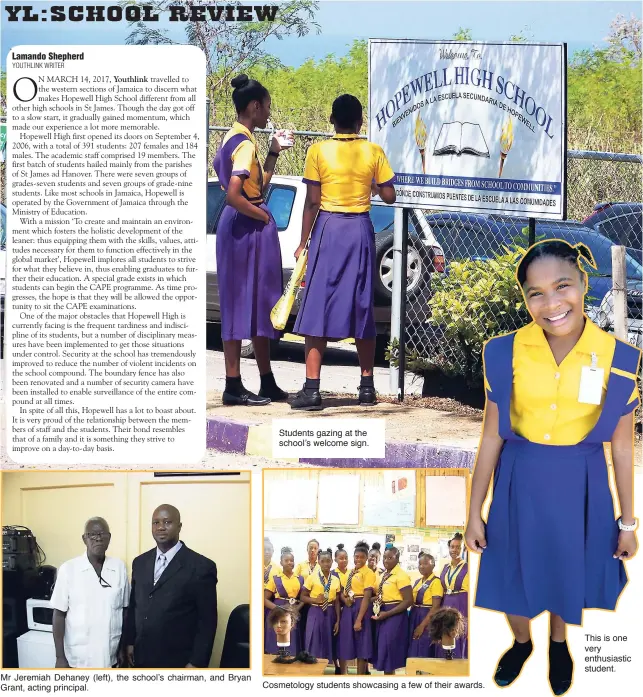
(286, 550)
(240, 81)
(377, 546)
(340, 547)
(457, 536)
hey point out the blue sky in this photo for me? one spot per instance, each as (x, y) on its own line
(581, 23)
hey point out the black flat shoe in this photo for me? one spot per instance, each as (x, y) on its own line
(561, 667)
(367, 396)
(245, 399)
(307, 402)
(274, 394)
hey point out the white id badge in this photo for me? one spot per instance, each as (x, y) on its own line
(591, 385)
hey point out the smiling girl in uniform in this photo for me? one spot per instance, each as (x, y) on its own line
(321, 593)
(355, 637)
(427, 599)
(557, 390)
(283, 589)
(394, 596)
(455, 584)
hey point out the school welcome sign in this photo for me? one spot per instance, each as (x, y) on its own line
(476, 127)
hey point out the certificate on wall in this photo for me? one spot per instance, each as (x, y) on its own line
(338, 499)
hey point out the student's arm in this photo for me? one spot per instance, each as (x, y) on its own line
(362, 609)
(402, 606)
(58, 627)
(488, 453)
(271, 161)
(386, 193)
(337, 615)
(306, 599)
(267, 599)
(311, 207)
(422, 627)
(239, 202)
(129, 628)
(384, 178)
(623, 457)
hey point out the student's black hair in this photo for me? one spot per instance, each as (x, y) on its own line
(347, 111)
(447, 620)
(362, 546)
(395, 551)
(558, 249)
(377, 547)
(326, 552)
(279, 611)
(267, 540)
(286, 550)
(426, 555)
(246, 91)
(456, 538)
(313, 540)
(340, 548)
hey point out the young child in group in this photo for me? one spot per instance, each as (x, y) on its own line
(557, 390)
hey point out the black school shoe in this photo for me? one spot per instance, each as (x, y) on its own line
(511, 663)
(244, 398)
(561, 667)
(367, 396)
(274, 394)
(307, 402)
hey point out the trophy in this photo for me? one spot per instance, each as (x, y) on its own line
(420, 137)
(376, 607)
(506, 141)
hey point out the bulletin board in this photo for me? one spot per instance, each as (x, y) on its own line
(290, 498)
(338, 499)
(446, 501)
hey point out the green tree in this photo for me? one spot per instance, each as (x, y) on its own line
(463, 35)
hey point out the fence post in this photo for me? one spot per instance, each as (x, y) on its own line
(619, 292)
(403, 284)
(396, 299)
(532, 232)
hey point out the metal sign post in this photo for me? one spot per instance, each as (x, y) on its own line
(398, 301)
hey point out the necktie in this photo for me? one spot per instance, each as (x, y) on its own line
(326, 586)
(159, 568)
(266, 574)
(382, 582)
(349, 581)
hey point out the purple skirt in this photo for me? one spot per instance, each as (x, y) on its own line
(319, 632)
(270, 638)
(422, 647)
(352, 644)
(249, 275)
(460, 601)
(338, 297)
(391, 641)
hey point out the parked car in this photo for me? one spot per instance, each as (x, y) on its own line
(3, 271)
(469, 236)
(620, 222)
(285, 199)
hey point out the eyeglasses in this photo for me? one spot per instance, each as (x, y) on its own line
(97, 535)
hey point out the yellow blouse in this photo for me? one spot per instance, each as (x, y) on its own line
(362, 579)
(453, 573)
(271, 570)
(433, 589)
(314, 585)
(245, 162)
(544, 402)
(345, 167)
(303, 569)
(291, 585)
(391, 590)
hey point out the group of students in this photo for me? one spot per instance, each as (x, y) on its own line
(341, 175)
(364, 612)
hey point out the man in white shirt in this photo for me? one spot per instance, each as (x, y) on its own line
(90, 600)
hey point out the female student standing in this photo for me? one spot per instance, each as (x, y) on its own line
(427, 599)
(355, 638)
(269, 570)
(321, 593)
(305, 569)
(394, 597)
(374, 557)
(557, 390)
(338, 298)
(248, 252)
(455, 583)
(283, 588)
(341, 571)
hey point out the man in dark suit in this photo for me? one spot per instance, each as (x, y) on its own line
(172, 617)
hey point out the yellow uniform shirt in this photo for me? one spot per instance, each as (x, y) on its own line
(452, 575)
(362, 579)
(341, 575)
(291, 585)
(544, 403)
(345, 167)
(433, 589)
(303, 569)
(270, 570)
(392, 588)
(316, 588)
(245, 162)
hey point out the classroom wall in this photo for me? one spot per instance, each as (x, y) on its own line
(56, 505)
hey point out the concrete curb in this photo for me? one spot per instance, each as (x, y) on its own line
(232, 436)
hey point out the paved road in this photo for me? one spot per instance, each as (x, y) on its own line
(340, 372)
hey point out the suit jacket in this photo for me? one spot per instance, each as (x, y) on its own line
(172, 623)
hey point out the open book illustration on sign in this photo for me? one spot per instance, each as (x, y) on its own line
(458, 138)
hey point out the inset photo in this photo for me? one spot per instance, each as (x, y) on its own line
(125, 570)
(365, 572)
